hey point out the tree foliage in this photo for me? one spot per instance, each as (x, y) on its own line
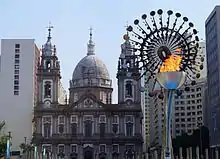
(3, 139)
(198, 138)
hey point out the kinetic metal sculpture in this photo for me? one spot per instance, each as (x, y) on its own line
(169, 54)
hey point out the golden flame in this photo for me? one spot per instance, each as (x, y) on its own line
(171, 64)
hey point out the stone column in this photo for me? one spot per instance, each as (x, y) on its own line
(216, 154)
(187, 153)
(206, 153)
(80, 123)
(181, 153)
(147, 155)
(197, 152)
(155, 154)
(190, 153)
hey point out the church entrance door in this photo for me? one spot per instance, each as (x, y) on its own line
(88, 153)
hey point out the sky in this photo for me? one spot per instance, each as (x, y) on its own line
(73, 18)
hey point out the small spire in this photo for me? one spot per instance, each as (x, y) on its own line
(49, 31)
(126, 36)
(90, 34)
(47, 48)
(90, 45)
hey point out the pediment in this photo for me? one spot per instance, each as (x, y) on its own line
(88, 101)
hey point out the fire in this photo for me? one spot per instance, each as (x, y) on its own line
(171, 64)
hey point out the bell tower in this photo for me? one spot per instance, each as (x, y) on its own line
(127, 75)
(48, 73)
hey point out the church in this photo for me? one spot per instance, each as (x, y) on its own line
(88, 125)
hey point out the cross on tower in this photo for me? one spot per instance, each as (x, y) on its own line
(49, 29)
(90, 33)
(126, 26)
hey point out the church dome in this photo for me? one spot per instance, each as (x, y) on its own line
(90, 71)
(90, 67)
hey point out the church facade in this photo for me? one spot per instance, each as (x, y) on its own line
(88, 125)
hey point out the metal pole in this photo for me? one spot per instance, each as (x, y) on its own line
(25, 147)
(168, 126)
(8, 155)
(201, 146)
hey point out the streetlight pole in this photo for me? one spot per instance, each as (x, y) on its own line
(25, 147)
(9, 146)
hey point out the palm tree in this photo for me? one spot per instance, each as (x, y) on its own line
(2, 125)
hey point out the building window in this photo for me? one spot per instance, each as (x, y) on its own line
(16, 87)
(16, 93)
(47, 90)
(17, 66)
(61, 124)
(128, 89)
(17, 46)
(16, 72)
(73, 148)
(47, 126)
(102, 148)
(88, 126)
(129, 124)
(48, 64)
(129, 151)
(74, 123)
(115, 124)
(16, 76)
(47, 148)
(17, 61)
(17, 50)
(73, 151)
(17, 56)
(61, 151)
(16, 82)
(102, 124)
(115, 148)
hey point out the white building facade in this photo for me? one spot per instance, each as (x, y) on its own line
(18, 87)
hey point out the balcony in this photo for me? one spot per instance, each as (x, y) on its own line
(80, 138)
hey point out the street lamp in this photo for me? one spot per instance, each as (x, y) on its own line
(8, 150)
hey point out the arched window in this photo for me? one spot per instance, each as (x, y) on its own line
(115, 124)
(74, 122)
(129, 152)
(88, 126)
(61, 124)
(129, 119)
(48, 65)
(102, 124)
(47, 90)
(128, 64)
(128, 89)
(47, 126)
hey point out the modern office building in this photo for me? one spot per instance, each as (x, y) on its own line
(189, 109)
(18, 87)
(212, 29)
(189, 112)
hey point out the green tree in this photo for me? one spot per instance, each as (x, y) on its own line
(3, 139)
(26, 149)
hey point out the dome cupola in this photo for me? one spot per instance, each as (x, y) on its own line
(90, 71)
